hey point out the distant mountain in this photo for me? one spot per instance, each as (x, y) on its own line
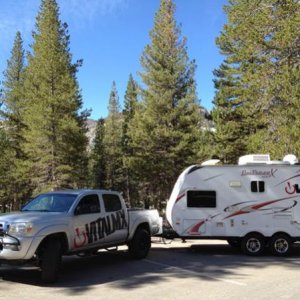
(91, 131)
(208, 121)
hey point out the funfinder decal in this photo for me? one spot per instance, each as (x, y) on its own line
(98, 229)
(260, 173)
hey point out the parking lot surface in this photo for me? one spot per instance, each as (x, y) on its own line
(191, 270)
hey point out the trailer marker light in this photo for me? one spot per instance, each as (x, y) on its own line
(235, 184)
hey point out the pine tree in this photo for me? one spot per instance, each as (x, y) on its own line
(12, 93)
(55, 135)
(282, 104)
(113, 143)
(130, 105)
(257, 100)
(7, 176)
(165, 131)
(229, 137)
(98, 159)
(12, 114)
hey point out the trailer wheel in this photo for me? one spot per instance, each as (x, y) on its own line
(253, 244)
(234, 242)
(50, 260)
(140, 244)
(280, 244)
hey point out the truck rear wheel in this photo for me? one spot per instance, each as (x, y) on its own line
(253, 244)
(50, 260)
(280, 244)
(140, 244)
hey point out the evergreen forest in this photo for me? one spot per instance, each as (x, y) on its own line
(141, 148)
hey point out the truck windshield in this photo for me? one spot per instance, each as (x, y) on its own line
(51, 203)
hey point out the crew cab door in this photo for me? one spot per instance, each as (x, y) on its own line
(87, 215)
(116, 218)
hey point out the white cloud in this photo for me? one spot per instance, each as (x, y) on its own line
(20, 15)
(85, 12)
(16, 16)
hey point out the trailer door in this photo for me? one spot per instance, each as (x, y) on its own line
(201, 204)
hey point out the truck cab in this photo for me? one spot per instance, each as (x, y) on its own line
(74, 222)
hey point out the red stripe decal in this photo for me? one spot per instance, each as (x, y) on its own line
(179, 197)
(195, 228)
(251, 208)
(298, 175)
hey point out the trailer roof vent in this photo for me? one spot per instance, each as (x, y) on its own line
(254, 159)
(210, 162)
(291, 159)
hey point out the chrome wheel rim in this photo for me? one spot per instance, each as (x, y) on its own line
(253, 245)
(281, 246)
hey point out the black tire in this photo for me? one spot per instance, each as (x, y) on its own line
(253, 244)
(234, 242)
(140, 244)
(50, 260)
(280, 244)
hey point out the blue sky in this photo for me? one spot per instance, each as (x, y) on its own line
(110, 35)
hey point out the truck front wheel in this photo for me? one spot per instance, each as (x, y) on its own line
(50, 260)
(140, 244)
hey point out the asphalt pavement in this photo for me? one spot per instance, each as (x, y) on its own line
(191, 270)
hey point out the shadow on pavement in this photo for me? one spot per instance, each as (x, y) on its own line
(202, 261)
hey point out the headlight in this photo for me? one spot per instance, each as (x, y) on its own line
(20, 229)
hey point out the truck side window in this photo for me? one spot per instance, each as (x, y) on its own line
(111, 202)
(88, 205)
(257, 186)
(201, 199)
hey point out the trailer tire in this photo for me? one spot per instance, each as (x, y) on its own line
(140, 244)
(253, 244)
(51, 260)
(280, 244)
(234, 242)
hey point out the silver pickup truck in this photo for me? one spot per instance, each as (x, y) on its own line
(74, 222)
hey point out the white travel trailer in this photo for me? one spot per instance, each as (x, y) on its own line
(254, 205)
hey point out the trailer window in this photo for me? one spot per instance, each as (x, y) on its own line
(201, 199)
(257, 186)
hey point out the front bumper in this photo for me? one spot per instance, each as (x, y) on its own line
(9, 242)
(13, 248)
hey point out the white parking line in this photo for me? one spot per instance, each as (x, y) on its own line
(186, 271)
